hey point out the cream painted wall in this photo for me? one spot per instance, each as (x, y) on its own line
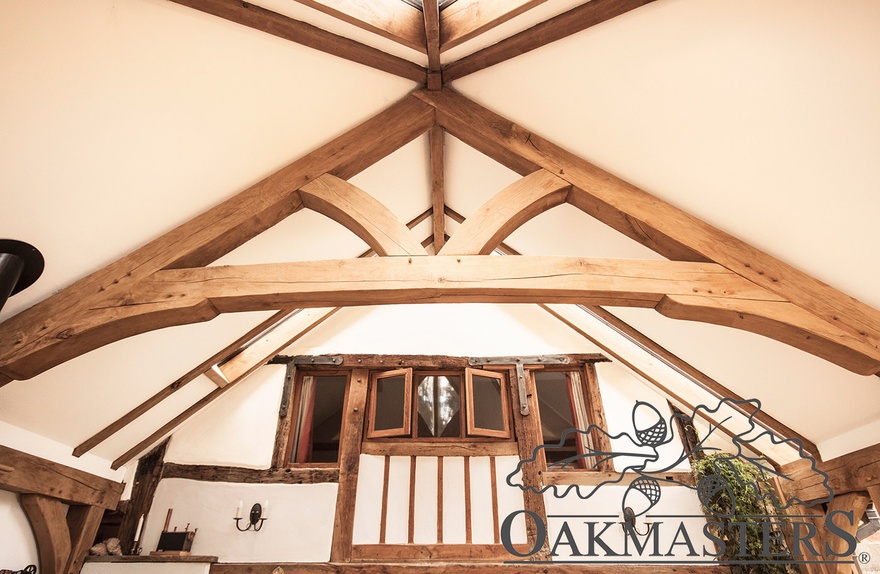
(299, 527)
(17, 545)
(237, 429)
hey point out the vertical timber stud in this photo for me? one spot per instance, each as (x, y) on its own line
(528, 431)
(596, 412)
(438, 185)
(349, 457)
(146, 480)
(82, 522)
(282, 434)
(49, 523)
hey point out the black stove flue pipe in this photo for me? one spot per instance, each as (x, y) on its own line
(20, 265)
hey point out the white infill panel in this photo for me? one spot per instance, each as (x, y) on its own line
(453, 500)
(510, 498)
(425, 514)
(482, 513)
(397, 517)
(368, 505)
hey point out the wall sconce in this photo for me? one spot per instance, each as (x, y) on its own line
(628, 517)
(257, 516)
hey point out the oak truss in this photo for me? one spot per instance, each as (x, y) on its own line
(712, 277)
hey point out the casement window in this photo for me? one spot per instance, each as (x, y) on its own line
(454, 404)
(563, 405)
(317, 418)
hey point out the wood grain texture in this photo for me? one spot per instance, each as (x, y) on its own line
(529, 437)
(210, 473)
(351, 436)
(146, 480)
(467, 19)
(287, 28)
(438, 187)
(596, 413)
(566, 24)
(595, 478)
(361, 214)
(505, 211)
(433, 552)
(31, 474)
(857, 503)
(391, 19)
(431, 11)
(669, 230)
(55, 330)
(49, 524)
(82, 524)
(433, 448)
(853, 472)
(696, 291)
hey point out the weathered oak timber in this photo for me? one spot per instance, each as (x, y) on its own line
(702, 291)
(857, 503)
(351, 435)
(51, 332)
(279, 25)
(853, 472)
(596, 413)
(34, 475)
(668, 230)
(82, 524)
(438, 187)
(49, 524)
(361, 213)
(466, 19)
(433, 552)
(420, 448)
(566, 24)
(448, 567)
(505, 211)
(431, 11)
(146, 480)
(250, 476)
(595, 478)
(392, 19)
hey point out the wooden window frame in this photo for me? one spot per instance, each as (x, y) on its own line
(472, 429)
(406, 429)
(293, 418)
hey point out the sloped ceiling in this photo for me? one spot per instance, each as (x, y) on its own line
(125, 118)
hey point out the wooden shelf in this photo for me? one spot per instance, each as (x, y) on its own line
(146, 558)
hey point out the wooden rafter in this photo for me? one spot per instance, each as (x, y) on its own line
(438, 187)
(466, 19)
(676, 234)
(431, 10)
(52, 331)
(566, 24)
(279, 25)
(392, 19)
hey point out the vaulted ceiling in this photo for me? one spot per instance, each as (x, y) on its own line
(124, 120)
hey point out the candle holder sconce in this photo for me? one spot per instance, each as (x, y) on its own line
(255, 519)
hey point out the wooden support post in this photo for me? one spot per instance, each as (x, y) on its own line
(146, 480)
(438, 187)
(49, 523)
(349, 458)
(857, 503)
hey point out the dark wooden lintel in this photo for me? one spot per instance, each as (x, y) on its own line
(250, 476)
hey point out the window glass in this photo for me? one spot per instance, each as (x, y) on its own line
(319, 419)
(487, 404)
(561, 407)
(390, 403)
(439, 405)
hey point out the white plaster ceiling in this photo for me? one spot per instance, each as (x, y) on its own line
(123, 119)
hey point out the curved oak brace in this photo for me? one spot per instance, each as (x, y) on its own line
(783, 321)
(49, 523)
(505, 211)
(698, 291)
(362, 214)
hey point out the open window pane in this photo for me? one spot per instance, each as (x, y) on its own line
(390, 392)
(439, 405)
(487, 404)
(318, 419)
